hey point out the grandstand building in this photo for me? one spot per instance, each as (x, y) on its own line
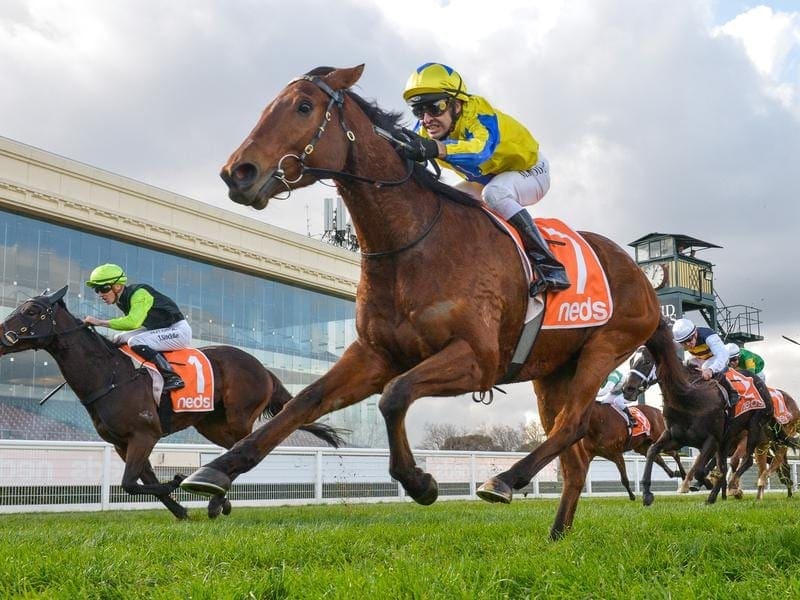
(283, 297)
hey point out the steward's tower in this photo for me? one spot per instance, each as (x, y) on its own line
(685, 283)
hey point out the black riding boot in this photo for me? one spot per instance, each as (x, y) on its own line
(733, 395)
(631, 419)
(549, 272)
(172, 381)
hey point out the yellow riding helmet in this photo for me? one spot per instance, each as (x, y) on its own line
(433, 80)
(108, 273)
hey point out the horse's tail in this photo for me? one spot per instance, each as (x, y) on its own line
(672, 373)
(280, 396)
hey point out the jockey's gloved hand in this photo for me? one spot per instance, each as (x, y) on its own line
(419, 148)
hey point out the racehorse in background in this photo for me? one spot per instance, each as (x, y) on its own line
(441, 299)
(119, 397)
(695, 412)
(608, 436)
(770, 454)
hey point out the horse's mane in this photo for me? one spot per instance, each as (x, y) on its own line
(691, 395)
(392, 121)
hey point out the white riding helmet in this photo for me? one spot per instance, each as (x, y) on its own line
(682, 330)
(733, 350)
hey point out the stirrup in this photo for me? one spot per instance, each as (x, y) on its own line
(173, 382)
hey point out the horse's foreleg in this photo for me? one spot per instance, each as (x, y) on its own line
(722, 483)
(454, 370)
(359, 373)
(137, 466)
(661, 443)
(659, 460)
(574, 466)
(149, 477)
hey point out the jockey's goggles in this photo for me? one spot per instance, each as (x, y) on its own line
(102, 289)
(434, 109)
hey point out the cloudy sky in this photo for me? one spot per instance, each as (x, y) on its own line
(678, 117)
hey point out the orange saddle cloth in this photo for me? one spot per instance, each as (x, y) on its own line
(197, 395)
(642, 426)
(587, 301)
(782, 414)
(749, 398)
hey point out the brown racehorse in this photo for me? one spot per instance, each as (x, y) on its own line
(119, 397)
(763, 451)
(607, 436)
(441, 299)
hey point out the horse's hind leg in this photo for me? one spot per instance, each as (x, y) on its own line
(452, 371)
(619, 461)
(574, 467)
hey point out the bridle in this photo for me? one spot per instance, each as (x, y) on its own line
(648, 378)
(29, 327)
(337, 101)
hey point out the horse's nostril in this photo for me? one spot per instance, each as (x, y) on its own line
(242, 175)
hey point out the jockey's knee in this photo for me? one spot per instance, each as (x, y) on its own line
(502, 199)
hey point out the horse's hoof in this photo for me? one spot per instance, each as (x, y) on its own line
(226, 507)
(428, 494)
(495, 490)
(647, 498)
(632, 497)
(694, 488)
(207, 482)
(214, 510)
(738, 494)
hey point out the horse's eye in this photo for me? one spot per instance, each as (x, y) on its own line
(305, 107)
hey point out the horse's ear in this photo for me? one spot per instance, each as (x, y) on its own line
(341, 79)
(56, 296)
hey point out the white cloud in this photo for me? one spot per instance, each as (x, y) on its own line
(771, 40)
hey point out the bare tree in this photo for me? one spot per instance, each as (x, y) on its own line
(446, 436)
(506, 437)
(533, 437)
(471, 441)
(437, 433)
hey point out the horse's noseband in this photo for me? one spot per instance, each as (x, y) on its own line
(27, 330)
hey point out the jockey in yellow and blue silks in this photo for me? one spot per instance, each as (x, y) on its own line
(489, 149)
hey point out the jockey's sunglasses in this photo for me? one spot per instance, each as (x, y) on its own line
(102, 289)
(434, 109)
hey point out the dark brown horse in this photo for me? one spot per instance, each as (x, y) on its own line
(441, 299)
(608, 437)
(119, 397)
(695, 412)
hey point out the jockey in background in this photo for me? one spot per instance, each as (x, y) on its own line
(611, 393)
(496, 155)
(707, 353)
(152, 322)
(741, 358)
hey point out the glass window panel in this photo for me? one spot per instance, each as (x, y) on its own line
(297, 333)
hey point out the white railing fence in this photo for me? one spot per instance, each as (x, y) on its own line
(86, 476)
